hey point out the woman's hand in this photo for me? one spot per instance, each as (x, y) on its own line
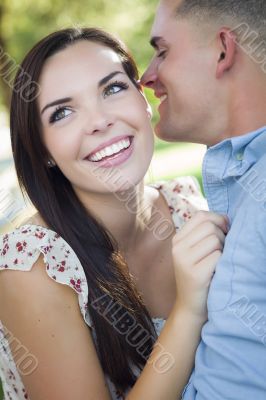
(196, 249)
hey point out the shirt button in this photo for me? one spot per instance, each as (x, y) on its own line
(240, 156)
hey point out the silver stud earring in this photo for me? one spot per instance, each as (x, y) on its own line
(50, 163)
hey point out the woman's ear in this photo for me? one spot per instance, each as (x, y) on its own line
(227, 51)
(149, 110)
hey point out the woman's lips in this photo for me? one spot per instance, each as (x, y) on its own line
(109, 143)
(116, 159)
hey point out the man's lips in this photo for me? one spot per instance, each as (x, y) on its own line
(161, 95)
(163, 98)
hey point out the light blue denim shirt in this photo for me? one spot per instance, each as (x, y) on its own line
(231, 358)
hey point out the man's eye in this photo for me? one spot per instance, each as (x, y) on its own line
(60, 113)
(114, 88)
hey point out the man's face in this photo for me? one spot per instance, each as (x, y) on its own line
(182, 75)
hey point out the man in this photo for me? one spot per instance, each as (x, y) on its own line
(209, 71)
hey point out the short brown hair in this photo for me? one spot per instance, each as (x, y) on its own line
(237, 14)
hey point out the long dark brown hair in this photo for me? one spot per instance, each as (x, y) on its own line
(53, 196)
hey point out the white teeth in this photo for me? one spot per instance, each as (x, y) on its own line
(164, 97)
(120, 146)
(115, 148)
(102, 153)
(110, 150)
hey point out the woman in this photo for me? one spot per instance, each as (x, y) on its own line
(105, 265)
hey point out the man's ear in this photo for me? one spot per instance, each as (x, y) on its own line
(228, 48)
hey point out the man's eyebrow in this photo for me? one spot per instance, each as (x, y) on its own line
(56, 103)
(109, 77)
(154, 41)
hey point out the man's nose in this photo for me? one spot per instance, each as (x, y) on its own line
(149, 77)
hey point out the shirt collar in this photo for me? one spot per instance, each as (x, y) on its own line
(239, 143)
(251, 144)
(245, 151)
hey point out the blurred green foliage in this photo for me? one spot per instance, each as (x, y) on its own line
(24, 22)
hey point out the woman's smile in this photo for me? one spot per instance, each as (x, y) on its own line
(113, 152)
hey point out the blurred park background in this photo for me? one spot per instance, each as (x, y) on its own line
(24, 22)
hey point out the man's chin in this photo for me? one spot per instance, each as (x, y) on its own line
(163, 132)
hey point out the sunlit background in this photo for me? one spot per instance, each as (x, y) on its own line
(24, 22)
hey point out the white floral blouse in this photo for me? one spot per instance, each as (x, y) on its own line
(20, 249)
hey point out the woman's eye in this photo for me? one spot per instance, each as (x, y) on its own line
(60, 113)
(114, 88)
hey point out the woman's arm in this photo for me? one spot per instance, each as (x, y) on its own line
(196, 250)
(45, 317)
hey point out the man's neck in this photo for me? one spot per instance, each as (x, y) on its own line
(247, 108)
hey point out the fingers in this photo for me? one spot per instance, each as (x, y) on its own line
(204, 248)
(201, 236)
(196, 250)
(201, 232)
(186, 256)
(207, 267)
(201, 217)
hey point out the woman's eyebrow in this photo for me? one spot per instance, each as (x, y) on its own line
(68, 99)
(56, 103)
(109, 77)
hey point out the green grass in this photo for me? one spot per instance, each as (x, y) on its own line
(1, 392)
(162, 146)
(164, 150)
(196, 173)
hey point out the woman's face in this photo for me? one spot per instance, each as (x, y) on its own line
(95, 122)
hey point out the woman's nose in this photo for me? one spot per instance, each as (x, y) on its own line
(101, 125)
(98, 121)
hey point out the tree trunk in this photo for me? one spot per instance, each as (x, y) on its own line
(5, 90)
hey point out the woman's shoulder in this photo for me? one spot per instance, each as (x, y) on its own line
(21, 249)
(183, 196)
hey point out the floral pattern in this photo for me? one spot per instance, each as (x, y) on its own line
(20, 249)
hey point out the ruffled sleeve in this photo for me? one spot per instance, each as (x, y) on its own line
(183, 196)
(20, 249)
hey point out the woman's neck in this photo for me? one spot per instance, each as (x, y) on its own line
(124, 214)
